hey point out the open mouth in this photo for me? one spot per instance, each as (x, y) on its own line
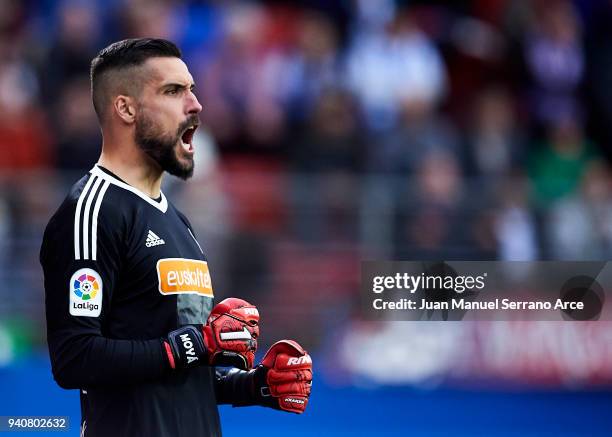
(187, 138)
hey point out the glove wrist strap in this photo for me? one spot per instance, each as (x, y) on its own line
(187, 347)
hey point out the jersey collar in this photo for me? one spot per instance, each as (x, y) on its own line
(161, 205)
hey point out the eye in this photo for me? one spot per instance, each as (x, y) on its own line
(172, 91)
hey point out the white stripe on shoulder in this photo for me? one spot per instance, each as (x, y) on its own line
(90, 198)
(94, 224)
(162, 205)
(77, 218)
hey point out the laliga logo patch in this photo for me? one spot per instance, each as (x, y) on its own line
(85, 288)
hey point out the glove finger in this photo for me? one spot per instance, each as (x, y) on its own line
(293, 404)
(288, 362)
(240, 346)
(288, 347)
(291, 388)
(231, 334)
(228, 329)
(238, 308)
(276, 377)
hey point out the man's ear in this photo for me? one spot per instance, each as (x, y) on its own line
(125, 108)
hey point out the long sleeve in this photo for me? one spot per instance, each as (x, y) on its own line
(236, 387)
(81, 257)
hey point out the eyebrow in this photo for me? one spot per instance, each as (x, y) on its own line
(177, 85)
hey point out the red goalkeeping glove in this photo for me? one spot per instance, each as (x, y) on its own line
(229, 338)
(284, 377)
(231, 334)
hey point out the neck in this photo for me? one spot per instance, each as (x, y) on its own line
(134, 167)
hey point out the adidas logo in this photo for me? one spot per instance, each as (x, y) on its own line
(153, 240)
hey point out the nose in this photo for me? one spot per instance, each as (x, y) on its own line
(193, 105)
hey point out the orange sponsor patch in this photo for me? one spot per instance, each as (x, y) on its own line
(180, 275)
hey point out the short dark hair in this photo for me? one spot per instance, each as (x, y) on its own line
(123, 55)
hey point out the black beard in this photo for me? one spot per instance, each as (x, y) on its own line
(161, 148)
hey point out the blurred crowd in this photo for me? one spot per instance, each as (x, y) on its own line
(335, 131)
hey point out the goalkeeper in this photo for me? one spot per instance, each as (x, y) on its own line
(131, 320)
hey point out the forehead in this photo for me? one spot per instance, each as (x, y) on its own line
(162, 71)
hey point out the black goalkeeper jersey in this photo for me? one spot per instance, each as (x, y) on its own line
(121, 271)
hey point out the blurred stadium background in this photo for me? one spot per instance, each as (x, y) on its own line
(341, 131)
